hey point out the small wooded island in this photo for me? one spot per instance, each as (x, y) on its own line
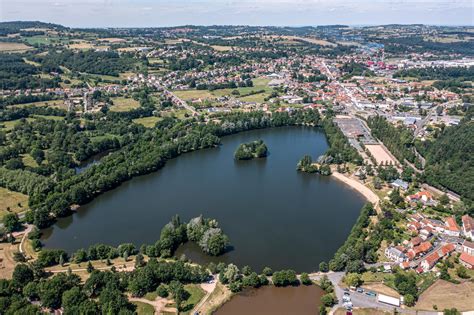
(251, 150)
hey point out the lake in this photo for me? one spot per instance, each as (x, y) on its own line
(273, 215)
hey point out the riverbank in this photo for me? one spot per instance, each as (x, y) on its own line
(361, 188)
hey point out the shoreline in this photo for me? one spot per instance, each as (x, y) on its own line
(359, 187)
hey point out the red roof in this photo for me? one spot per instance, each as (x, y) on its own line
(451, 224)
(469, 259)
(467, 222)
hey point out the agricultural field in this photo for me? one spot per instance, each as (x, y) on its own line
(13, 47)
(46, 40)
(122, 104)
(8, 125)
(446, 295)
(12, 202)
(194, 94)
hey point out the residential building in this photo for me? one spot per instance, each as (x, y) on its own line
(467, 260)
(395, 254)
(468, 226)
(452, 228)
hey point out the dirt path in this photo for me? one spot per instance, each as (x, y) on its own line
(209, 288)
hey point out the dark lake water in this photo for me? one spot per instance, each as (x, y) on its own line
(270, 300)
(273, 215)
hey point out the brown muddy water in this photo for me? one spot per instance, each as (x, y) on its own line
(301, 300)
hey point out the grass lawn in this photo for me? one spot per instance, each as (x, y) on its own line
(148, 122)
(49, 117)
(8, 125)
(151, 296)
(122, 104)
(10, 200)
(144, 308)
(197, 293)
(28, 160)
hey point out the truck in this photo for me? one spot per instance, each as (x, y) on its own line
(382, 298)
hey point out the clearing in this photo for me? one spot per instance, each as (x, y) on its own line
(13, 47)
(381, 288)
(446, 295)
(122, 104)
(379, 154)
(12, 202)
(148, 122)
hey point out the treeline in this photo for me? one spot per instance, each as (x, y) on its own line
(361, 244)
(24, 112)
(449, 159)
(417, 44)
(398, 140)
(104, 292)
(16, 74)
(438, 73)
(24, 98)
(339, 147)
(105, 63)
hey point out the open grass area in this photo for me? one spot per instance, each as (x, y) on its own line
(197, 293)
(194, 94)
(151, 296)
(221, 48)
(28, 160)
(12, 202)
(49, 117)
(8, 125)
(148, 122)
(122, 104)
(144, 308)
(13, 47)
(446, 295)
(46, 40)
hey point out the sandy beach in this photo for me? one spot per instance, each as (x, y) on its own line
(361, 188)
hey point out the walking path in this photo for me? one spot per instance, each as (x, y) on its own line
(159, 304)
(209, 288)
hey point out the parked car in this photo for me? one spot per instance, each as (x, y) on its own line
(360, 290)
(370, 293)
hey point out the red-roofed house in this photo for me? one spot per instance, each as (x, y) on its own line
(434, 257)
(452, 228)
(468, 226)
(423, 196)
(467, 260)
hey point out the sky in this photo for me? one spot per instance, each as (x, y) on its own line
(146, 13)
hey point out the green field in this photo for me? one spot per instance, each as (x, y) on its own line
(196, 294)
(46, 40)
(148, 122)
(144, 308)
(122, 104)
